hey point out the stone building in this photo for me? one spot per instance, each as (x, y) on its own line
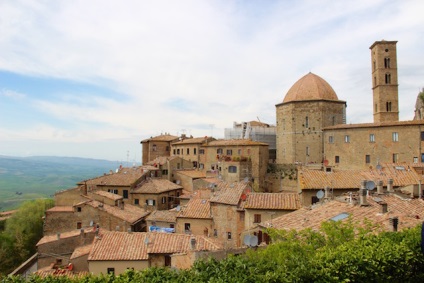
(386, 140)
(188, 149)
(157, 146)
(195, 218)
(236, 160)
(310, 105)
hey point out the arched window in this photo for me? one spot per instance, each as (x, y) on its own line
(388, 78)
(388, 106)
(387, 63)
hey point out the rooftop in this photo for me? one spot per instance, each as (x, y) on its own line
(409, 211)
(310, 87)
(196, 208)
(81, 251)
(155, 186)
(130, 213)
(165, 138)
(199, 141)
(138, 246)
(235, 142)
(230, 193)
(64, 235)
(108, 195)
(163, 215)
(192, 173)
(124, 177)
(375, 125)
(274, 201)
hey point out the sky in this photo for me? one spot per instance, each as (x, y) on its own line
(94, 78)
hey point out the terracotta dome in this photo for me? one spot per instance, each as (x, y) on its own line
(310, 87)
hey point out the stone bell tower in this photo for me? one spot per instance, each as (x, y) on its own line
(385, 81)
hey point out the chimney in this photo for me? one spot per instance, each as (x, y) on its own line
(380, 190)
(326, 192)
(122, 205)
(58, 236)
(390, 186)
(394, 221)
(84, 189)
(363, 194)
(129, 230)
(193, 243)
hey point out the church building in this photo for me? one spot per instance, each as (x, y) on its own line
(311, 122)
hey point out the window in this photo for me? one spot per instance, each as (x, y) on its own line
(171, 226)
(375, 107)
(387, 63)
(333, 120)
(232, 169)
(347, 138)
(422, 157)
(415, 159)
(187, 227)
(314, 200)
(154, 147)
(368, 159)
(215, 233)
(167, 260)
(178, 165)
(306, 122)
(372, 138)
(229, 152)
(113, 191)
(388, 106)
(174, 151)
(150, 202)
(257, 218)
(79, 209)
(330, 139)
(395, 136)
(340, 216)
(165, 172)
(79, 225)
(422, 136)
(219, 151)
(163, 199)
(201, 165)
(239, 151)
(188, 151)
(337, 159)
(373, 65)
(178, 151)
(307, 151)
(201, 151)
(167, 148)
(194, 150)
(395, 157)
(388, 79)
(229, 235)
(125, 194)
(136, 201)
(111, 270)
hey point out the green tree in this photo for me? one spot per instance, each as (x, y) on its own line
(22, 232)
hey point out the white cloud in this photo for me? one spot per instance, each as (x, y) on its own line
(12, 94)
(190, 64)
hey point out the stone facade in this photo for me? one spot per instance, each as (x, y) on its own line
(365, 145)
(385, 81)
(218, 155)
(156, 147)
(228, 224)
(299, 129)
(188, 149)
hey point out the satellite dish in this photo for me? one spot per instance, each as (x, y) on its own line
(178, 208)
(320, 194)
(246, 240)
(370, 185)
(246, 179)
(378, 167)
(253, 241)
(178, 182)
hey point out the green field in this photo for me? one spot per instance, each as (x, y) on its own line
(40, 177)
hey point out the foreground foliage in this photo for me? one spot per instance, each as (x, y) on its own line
(339, 252)
(21, 233)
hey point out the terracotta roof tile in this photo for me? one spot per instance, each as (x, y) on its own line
(124, 177)
(156, 186)
(196, 208)
(192, 173)
(163, 215)
(277, 201)
(64, 235)
(167, 138)
(137, 246)
(348, 179)
(46, 272)
(230, 193)
(130, 213)
(194, 141)
(108, 195)
(80, 251)
(409, 211)
(235, 142)
(61, 209)
(161, 160)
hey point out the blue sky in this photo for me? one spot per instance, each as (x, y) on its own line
(93, 78)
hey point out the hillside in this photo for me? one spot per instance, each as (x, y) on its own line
(23, 178)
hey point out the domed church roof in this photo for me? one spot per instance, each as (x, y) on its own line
(310, 87)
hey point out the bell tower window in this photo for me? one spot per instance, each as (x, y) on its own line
(388, 78)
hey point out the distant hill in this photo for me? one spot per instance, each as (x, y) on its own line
(24, 178)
